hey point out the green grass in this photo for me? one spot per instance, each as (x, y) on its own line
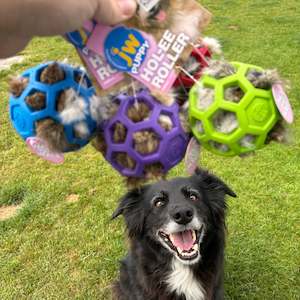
(58, 250)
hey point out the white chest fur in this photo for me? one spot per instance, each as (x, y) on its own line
(182, 281)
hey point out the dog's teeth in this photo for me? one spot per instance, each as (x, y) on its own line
(194, 235)
(171, 238)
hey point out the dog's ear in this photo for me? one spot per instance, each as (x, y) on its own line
(127, 202)
(131, 208)
(216, 191)
(213, 182)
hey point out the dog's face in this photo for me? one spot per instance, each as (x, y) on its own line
(176, 215)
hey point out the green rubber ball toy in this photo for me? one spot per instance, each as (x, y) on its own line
(230, 116)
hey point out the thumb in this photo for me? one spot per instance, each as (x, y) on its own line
(112, 12)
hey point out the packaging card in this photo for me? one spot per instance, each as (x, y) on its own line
(138, 54)
(105, 75)
(148, 48)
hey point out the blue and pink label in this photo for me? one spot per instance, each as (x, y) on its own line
(126, 49)
(138, 54)
(109, 52)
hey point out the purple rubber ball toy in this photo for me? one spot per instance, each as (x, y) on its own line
(172, 143)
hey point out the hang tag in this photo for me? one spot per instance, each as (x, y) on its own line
(137, 53)
(147, 5)
(283, 103)
(192, 156)
(150, 57)
(40, 148)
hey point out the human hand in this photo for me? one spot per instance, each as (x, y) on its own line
(21, 20)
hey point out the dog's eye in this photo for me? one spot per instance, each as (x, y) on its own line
(159, 203)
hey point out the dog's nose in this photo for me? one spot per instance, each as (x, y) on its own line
(183, 216)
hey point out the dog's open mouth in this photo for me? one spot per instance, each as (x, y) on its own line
(184, 243)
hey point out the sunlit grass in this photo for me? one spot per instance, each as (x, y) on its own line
(56, 249)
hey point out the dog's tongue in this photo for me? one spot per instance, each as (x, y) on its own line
(183, 240)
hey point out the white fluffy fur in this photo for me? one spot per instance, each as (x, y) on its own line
(219, 69)
(206, 97)
(173, 227)
(199, 127)
(213, 45)
(192, 65)
(225, 122)
(182, 281)
(248, 141)
(82, 130)
(75, 109)
(189, 26)
(100, 107)
(166, 120)
(220, 147)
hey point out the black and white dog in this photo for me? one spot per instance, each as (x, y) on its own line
(177, 236)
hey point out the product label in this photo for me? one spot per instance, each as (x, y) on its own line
(158, 72)
(283, 103)
(192, 156)
(128, 50)
(40, 148)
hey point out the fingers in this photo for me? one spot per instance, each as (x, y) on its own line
(112, 12)
(11, 45)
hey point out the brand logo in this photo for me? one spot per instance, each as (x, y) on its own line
(126, 49)
(260, 112)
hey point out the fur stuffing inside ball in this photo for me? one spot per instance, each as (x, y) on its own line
(72, 108)
(144, 142)
(225, 121)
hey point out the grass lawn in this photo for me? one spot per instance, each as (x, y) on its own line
(62, 244)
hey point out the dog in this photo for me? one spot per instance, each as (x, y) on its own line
(177, 238)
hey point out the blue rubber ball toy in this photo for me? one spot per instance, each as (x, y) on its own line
(24, 118)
